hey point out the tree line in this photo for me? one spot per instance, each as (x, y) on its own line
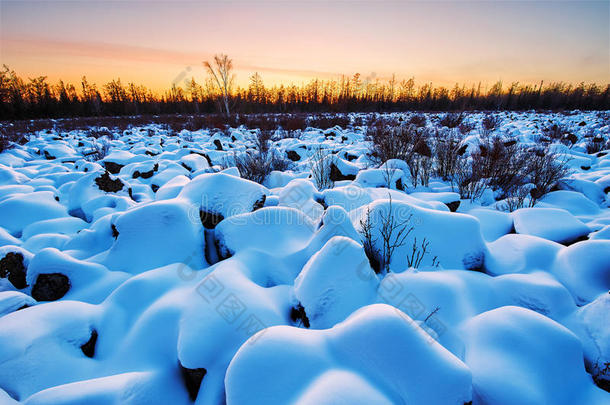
(37, 98)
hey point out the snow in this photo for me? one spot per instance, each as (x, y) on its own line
(191, 284)
(335, 282)
(400, 365)
(553, 224)
(513, 354)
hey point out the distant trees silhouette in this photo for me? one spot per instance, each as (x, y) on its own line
(37, 98)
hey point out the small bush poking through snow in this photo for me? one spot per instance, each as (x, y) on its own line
(545, 169)
(99, 150)
(321, 168)
(257, 165)
(446, 153)
(393, 232)
(451, 120)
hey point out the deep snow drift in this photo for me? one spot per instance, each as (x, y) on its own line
(156, 274)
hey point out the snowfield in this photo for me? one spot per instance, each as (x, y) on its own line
(153, 273)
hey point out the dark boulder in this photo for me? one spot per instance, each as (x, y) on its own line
(453, 206)
(192, 378)
(50, 287)
(12, 267)
(89, 347)
(292, 155)
(112, 167)
(297, 314)
(105, 183)
(336, 175)
(209, 219)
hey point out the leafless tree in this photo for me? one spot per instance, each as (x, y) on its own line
(221, 71)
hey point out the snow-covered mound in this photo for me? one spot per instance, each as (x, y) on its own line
(154, 271)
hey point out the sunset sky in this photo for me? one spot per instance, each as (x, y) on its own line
(158, 42)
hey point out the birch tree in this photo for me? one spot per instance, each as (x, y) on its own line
(222, 74)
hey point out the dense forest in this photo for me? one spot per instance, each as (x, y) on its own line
(37, 98)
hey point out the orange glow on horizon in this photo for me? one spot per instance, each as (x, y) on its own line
(160, 43)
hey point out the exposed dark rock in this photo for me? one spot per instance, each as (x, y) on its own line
(336, 175)
(350, 157)
(320, 200)
(298, 314)
(462, 150)
(48, 156)
(186, 167)
(12, 267)
(585, 167)
(399, 185)
(89, 347)
(510, 143)
(192, 378)
(209, 219)
(453, 205)
(112, 167)
(154, 188)
(115, 232)
(260, 203)
(607, 190)
(582, 124)
(603, 384)
(145, 175)
(50, 287)
(217, 144)
(292, 155)
(105, 183)
(571, 138)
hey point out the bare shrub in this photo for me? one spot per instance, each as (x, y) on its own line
(555, 131)
(329, 121)
(389, 142)
(320, 164)
(467, 179)
(446, 153)
(451, 120)
(596, 144)
(419, 120)
(418, 252)
(368, 241)
(393, 232)
(515, 198)
(256, 165)
(405, 142)
(99, 150)
(4, 141)
(100, 132)
(466, 126)
(490, 122)
(545, 168)
(504, 164)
